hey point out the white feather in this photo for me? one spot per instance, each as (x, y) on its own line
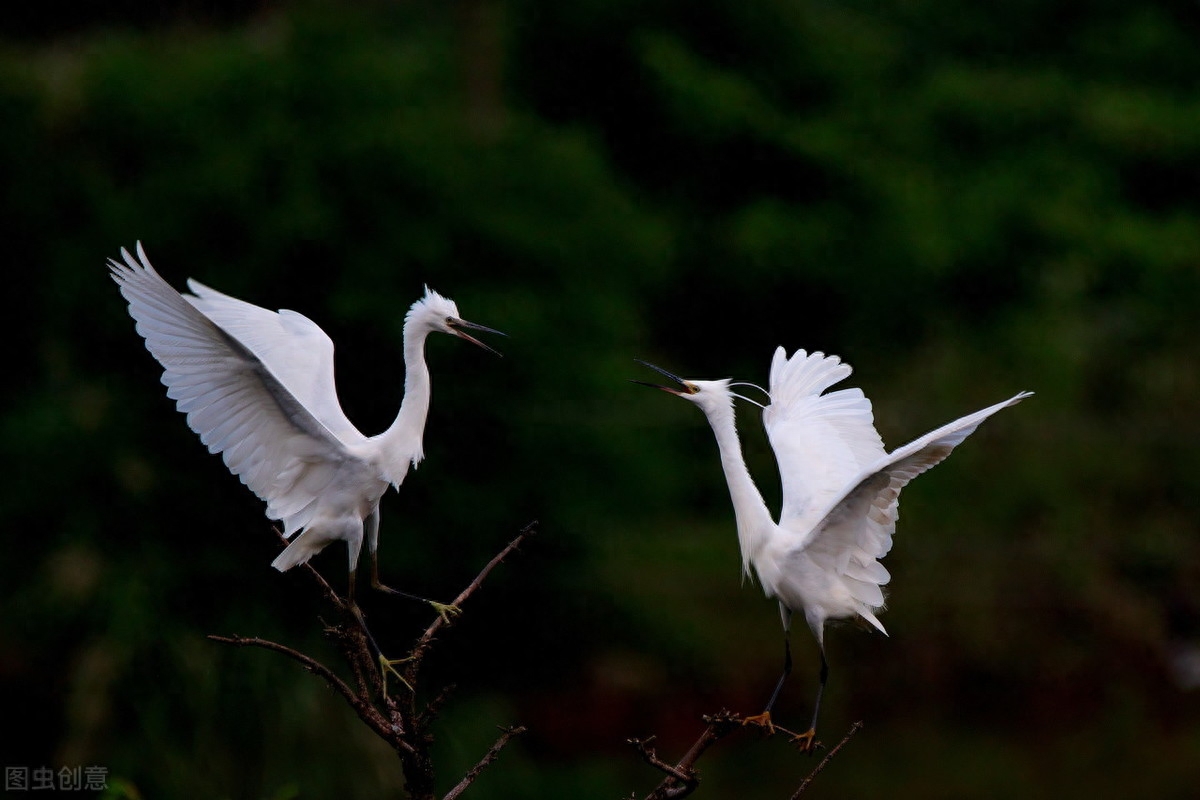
(257, 386)
(841, 489)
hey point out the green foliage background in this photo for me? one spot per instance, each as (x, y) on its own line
(962, 201)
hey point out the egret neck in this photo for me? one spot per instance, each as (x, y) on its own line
(401, 443)
(754, 522)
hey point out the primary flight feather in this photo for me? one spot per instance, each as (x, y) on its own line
(841, 493)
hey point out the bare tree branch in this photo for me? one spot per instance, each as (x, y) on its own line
(650, 756)
(491, 755)
(330, 594)
(683, 778)
(423, 644)
(434, 707)
(855, 728)
(399, 721)
(366, 712)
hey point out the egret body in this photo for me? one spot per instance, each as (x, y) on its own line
(840, 494)
(258, 387)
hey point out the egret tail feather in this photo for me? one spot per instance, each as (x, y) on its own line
(305, 546)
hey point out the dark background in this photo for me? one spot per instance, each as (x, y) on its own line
(962, 201)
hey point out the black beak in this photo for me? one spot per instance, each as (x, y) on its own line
(686, 388)
(457, 325)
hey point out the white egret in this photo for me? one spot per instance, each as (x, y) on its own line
(258, 387)
(840, 495)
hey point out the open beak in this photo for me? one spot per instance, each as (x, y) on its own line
(685, 387)
(458, 326)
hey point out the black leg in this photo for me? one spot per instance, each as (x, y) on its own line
(764, 719)
(787, 670)
(358, 614)
(820, 690)
(444, 610)
(808, 740)
(386, 664)
(371, 525)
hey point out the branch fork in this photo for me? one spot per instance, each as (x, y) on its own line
(398, 720)
(683, 778)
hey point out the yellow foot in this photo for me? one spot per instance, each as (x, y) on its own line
(762, 720)
(387, 665)
(445, 611)
(807, 741)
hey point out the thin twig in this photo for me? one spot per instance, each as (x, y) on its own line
(433, 707)
(650, 756)
(310, 664)
(719, 725)
(422, 645)
(364, 709)
(682, 778)
(398, 723)
(855, 728)
(330, 594)
(491, 755)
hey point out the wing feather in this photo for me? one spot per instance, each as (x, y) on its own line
(821, 441)
(856, 528)
(232, 398)
(293, 347)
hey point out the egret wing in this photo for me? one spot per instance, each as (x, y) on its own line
(232, 400)
(293, 347)
(821, 441)
(856, 530)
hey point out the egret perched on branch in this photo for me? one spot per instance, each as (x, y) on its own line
(257, 386)
(840, 494)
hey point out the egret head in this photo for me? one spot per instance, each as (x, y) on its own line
(709, 395)
(433, 312)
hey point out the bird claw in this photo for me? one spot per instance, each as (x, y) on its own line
(387, 665)
(762, 720)
(445, 610)
(807, 741)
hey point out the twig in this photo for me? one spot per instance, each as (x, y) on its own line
(330, 594)
(364, 709)
(650, 756)
(682, 778)
(423, 644)
(433, 707)
(855, 728)
(491, 755)
(397, 723)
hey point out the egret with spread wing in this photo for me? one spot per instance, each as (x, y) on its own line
(258, 387)
(840, 494)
